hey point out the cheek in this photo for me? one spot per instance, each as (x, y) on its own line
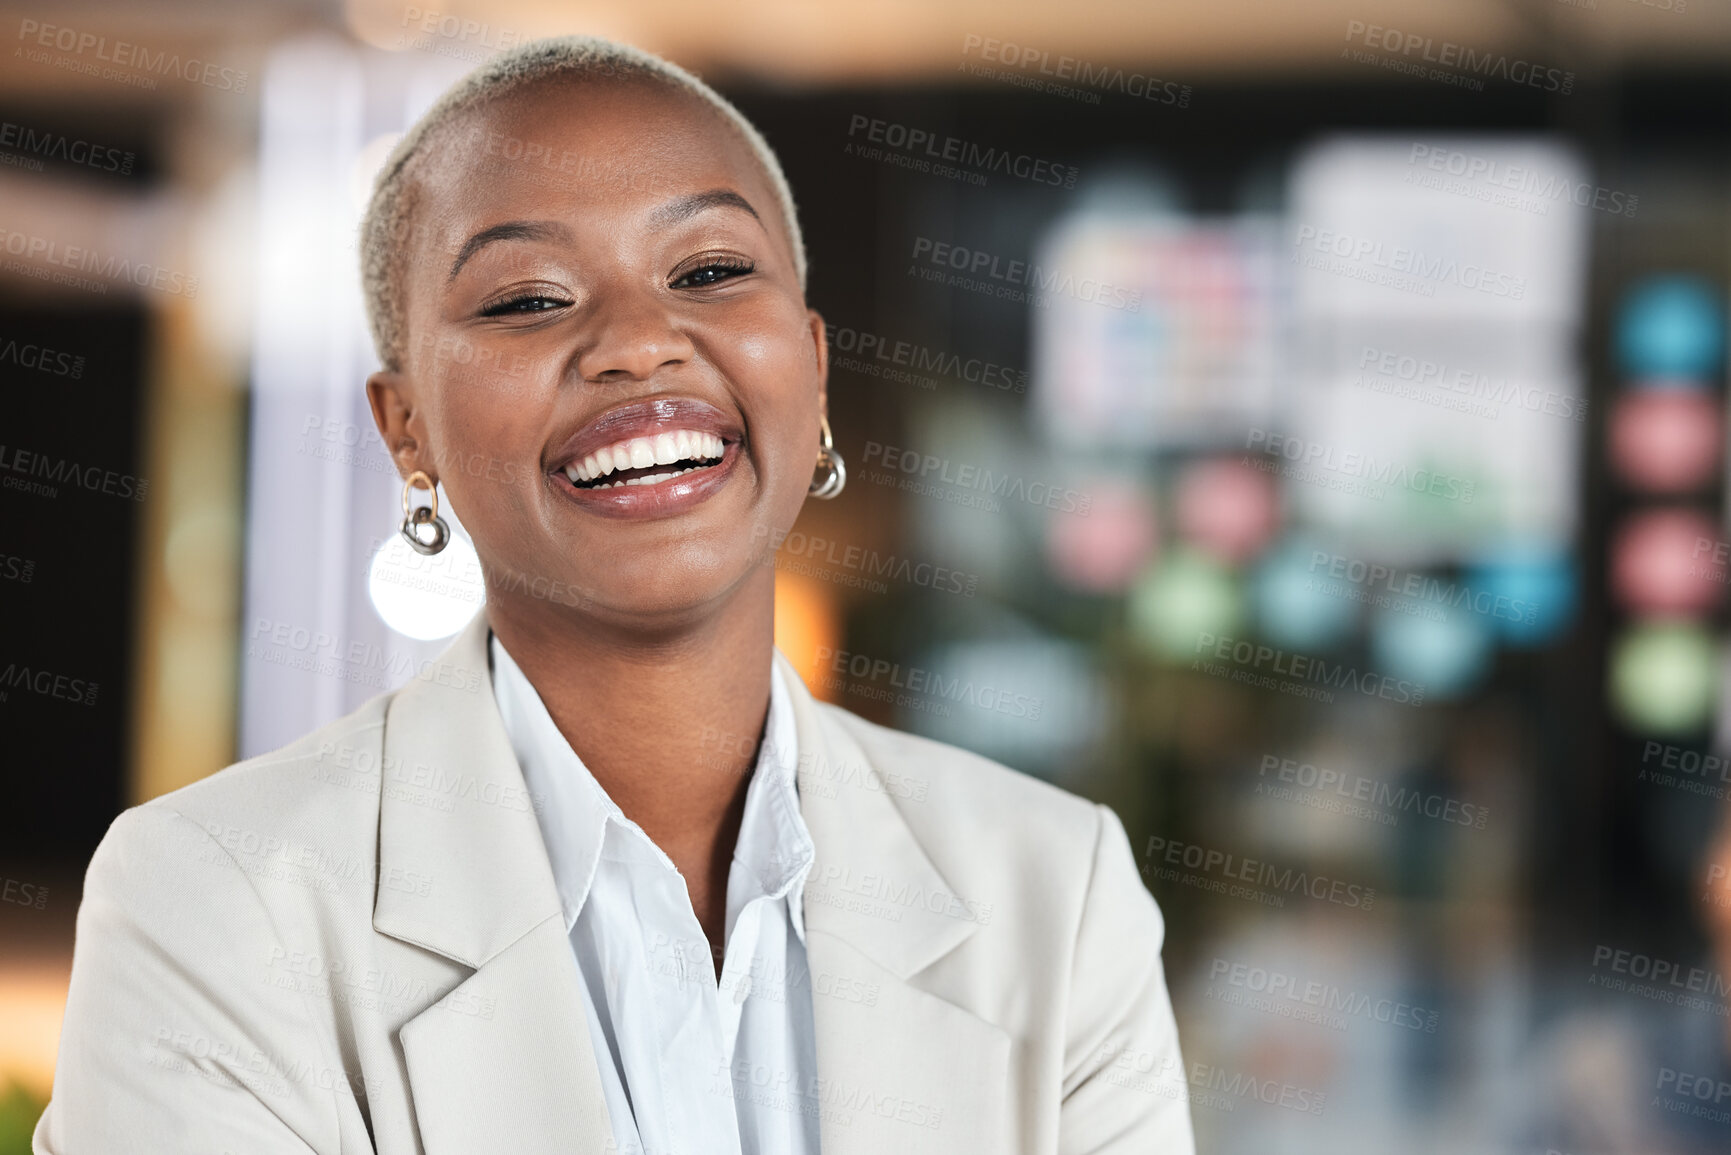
(772, 364)
(487, 440)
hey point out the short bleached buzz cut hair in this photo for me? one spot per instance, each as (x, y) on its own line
(389, 217)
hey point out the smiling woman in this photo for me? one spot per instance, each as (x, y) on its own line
(607, 877)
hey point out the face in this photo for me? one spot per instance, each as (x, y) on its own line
(610, 366)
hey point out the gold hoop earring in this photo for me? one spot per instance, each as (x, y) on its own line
(830, 477)
(416, 516)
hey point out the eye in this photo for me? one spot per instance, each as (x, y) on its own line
(525, 303)
(714, 271)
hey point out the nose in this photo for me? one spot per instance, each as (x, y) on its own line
(630, 335)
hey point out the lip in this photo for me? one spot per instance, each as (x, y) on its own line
(645, 419)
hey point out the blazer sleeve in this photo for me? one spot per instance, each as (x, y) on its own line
(1124, 1090)
(174, 1039)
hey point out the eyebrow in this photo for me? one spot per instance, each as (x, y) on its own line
(687, 207)
(509, 231)
(671, 213)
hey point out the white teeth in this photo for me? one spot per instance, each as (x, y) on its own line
(642, 452)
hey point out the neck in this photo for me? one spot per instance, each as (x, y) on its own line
(668, 723)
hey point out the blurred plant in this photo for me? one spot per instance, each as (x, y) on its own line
(19, 1110)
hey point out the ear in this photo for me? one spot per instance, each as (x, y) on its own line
(820, 347)
(399, 422)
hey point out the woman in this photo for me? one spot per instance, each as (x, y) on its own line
(607, 877)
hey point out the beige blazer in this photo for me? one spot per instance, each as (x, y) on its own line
(354, 944)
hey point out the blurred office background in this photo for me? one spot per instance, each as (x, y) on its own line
(1299, 426)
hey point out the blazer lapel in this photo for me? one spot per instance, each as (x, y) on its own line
(504, 1061)
(900, 1069)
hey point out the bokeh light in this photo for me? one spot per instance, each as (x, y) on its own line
(1666, 440)
(1671, 326)
(1104, 551)
(1180, 599)
(1664, 677)
(1297, 604)
(1226, 508)
(1660, 562)
(1447, 651)
(426, 597)
(1538, 586)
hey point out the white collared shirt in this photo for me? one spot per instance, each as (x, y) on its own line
(688, 1066)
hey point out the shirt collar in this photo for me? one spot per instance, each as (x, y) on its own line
(774, 852)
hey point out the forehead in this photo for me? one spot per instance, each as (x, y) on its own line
(568, 148)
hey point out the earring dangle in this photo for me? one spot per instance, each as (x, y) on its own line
(414, 517)
(830, 476)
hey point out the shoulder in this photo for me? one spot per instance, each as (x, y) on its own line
(307, 812)
(319, 771)
(964, 787)
(998, 829)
